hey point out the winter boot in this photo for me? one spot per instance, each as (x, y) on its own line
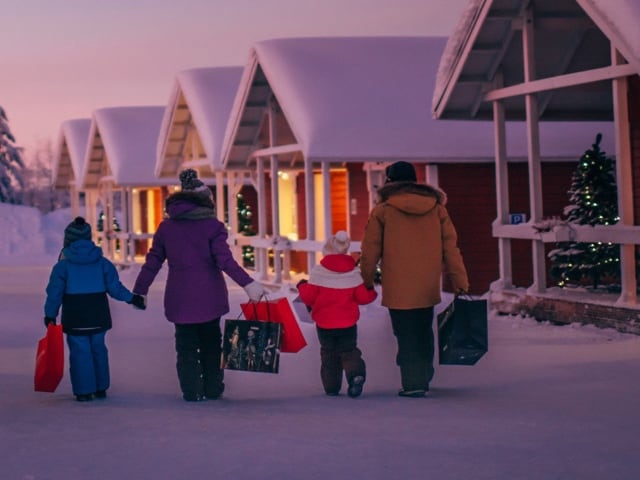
(355, 386)
(101, 394)
(417, 393)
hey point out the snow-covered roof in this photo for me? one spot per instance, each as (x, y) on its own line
(569, 36)
(122, 145)
(619, 20)
(364, 99)
(201, 98)
(70, 151)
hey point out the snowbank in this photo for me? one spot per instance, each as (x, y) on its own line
(28, 237)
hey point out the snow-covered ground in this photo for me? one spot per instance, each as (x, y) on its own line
(546, 402)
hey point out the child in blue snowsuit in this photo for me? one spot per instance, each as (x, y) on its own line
(79, 283)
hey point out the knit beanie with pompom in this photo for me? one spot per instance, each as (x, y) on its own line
(79, 229)
(190, 182)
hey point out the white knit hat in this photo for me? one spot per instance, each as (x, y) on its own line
(338, 243)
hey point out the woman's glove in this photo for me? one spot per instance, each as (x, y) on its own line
(138, 301)
(48, 320)
(255, 291)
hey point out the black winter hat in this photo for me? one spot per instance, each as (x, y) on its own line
(191, 183)
(401, 172)
(79, 229)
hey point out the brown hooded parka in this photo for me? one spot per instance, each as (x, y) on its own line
(412, 236)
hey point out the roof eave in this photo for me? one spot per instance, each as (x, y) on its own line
(461, 51)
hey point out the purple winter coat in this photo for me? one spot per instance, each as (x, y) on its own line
(197, 253)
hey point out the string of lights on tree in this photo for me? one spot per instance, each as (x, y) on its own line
(593, 201)
(245, 227)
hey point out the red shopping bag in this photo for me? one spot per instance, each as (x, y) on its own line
(49, 360)
(278, 310)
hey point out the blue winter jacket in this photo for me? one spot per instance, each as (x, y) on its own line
(80, 282)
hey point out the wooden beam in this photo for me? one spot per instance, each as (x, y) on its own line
(561, 81)
(277, 150)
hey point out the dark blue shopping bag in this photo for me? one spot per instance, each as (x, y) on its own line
(462, 332)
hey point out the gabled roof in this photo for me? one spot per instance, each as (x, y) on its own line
(70, 151)
(569, 36)
(618, 20)
(122, 145)
(201, 99)
(363, 99)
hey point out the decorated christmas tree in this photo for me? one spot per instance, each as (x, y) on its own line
(593, 201)
(245, 227)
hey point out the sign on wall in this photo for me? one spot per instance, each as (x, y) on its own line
(517, 218)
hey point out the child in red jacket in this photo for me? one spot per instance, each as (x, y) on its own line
(334, 292)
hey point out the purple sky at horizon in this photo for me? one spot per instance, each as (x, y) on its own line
(62, 60)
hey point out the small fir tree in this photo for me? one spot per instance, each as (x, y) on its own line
(593, 201)
(245, 226)
(11, 163)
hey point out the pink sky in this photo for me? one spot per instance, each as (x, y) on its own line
(64, 61)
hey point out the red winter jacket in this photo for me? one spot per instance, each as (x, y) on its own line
(334, 291)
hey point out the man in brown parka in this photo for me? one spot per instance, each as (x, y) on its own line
(410, 233)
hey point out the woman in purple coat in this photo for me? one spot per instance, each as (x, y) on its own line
(194, 243)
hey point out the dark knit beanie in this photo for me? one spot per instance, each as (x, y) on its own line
(79, 229)
(401, 172)
(190, 182)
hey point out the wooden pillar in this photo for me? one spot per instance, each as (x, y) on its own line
(261, 252)
(309, 205)
(74, 195)
(220, 197)
(90, 211)
(232, 208)
(275, 194)
(624, 179)
(326, 198)
(505, 267)
(128, 245)
(533, 150)
(107, 196)
(431, 175)
(375, 180)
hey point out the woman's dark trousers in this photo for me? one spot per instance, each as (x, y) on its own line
(414, 335)
(338, 352)
(198, 347)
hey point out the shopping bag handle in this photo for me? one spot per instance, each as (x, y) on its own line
(464, 295)
(255, 311)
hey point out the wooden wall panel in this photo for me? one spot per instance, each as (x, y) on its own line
(358, 197)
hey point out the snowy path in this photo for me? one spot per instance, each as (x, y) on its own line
(545, 403)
